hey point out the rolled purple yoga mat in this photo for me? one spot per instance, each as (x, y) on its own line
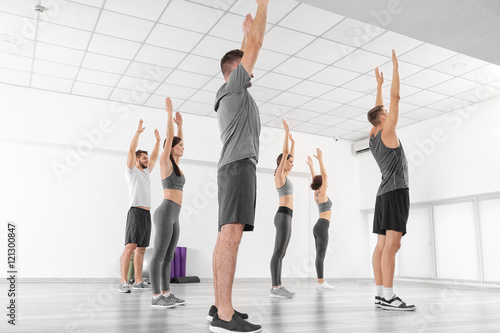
(172, 268)
(177, 257)
(183, 261)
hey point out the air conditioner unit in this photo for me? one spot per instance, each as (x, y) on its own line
(361, 146)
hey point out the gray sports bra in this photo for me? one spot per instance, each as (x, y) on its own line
(324, 206)
(286, 189)
(173, 182)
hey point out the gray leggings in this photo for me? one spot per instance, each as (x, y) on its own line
(320, 232)
(283, 224)
(166, 221)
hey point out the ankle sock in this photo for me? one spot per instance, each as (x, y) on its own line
(388, 293)
(379, 290)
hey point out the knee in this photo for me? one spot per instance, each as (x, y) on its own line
(279, 254)
(393, 247)
(140, 250)
(128, 250)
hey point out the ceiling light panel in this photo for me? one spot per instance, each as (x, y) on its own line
(361, 61)
(277, 9)
(455, 86)
(14, 77)
(277, 81)
(325, 51)
(426, 78)
(352, 32)
(159, 56)
(174, 38)
(320, 105)
(98, 77)
(64, 36)
(123, 26)
(341, 95)
(149, 11)
(187, 79)
(289, 99)
(104, 63)
(191, 16)
(310, 19)
(426, 55)
(388, 41)
(214, 47)
(91, 90)
(72, 14)
(51, 83)
(58, 54)
(334, 76)
(285, 40)
(113, 46)
(310, 88)
(459, 64)
(54, 69)
(299, 67)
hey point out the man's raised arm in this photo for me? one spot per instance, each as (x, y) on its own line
(253, 41)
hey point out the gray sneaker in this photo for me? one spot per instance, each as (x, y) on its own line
(124, 288)
(162, 302)
(175, 299)
(280, 292)
(141, 285)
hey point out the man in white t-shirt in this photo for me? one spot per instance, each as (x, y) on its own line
(138, 230)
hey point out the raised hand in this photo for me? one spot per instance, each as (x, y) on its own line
(285, 126)
(262, 2)
(178, 119)
(379, 77)
(247, 24)
(309, 161)
(140, 129)
(395, 64)
(157, 135)
(319, 154)
(168, 105)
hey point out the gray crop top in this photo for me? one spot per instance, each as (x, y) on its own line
(286, 189)
(324, 206)
(173, 182)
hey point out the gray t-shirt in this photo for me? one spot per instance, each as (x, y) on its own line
(239, 120)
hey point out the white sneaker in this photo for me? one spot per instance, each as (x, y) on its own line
(324, 286)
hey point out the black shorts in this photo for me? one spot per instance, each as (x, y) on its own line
(391, 211)
(237, 192)
(138, 230)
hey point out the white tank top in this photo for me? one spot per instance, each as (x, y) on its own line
(139, 187)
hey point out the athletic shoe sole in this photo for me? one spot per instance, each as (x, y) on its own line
(214, 329)
(124, 291)
(391, 308)
(278, 296)
(163, 306)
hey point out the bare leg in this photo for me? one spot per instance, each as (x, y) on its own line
(215, 270)
(377, 259)
(225, 265)
(388, 263)
(138, 261)
(125, 260)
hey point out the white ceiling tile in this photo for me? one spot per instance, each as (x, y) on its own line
(278, 123)
(459, 64)
(402, 122)
(495, 84)
(98, 77)
(91, 90)
(325, 51)
(11, 76)
(405, 69)
(405, 90)
(257, 73)
(159, 56)
(423, 114)
(299, 67)
(320, 105)
(149, 11)
(129, 96)
(349, 111)
(455, 86)
(364, 83)
(341, 95)
(58, 54)
(22, 8)
(17, 26)
(289, 99)
(184, 14)
(201, 65)
(187, 79)
(214, 47)
(175, 91)
(448, 104)
(352, 32)
(424, 97)
(334, 132)
(203, 97)
(301, 115)
(217, 4)
(486, 74)
(426, 55)
(12, 61)
(264, 118)
(64, 36)
(148, 72)
(229, 27)
(137, 84)
(388, 41)
(366, 102)
(263, 94)
(310, 88)
(214, 84)
(173, 38)
(212, 114)
(334, 76)
(276, 10)
(352, 124)
(309, 128)
(51, 83)
(16, 45)
(310, 19)
(123, 26)
(479, 94)
(53, 69)
(71, 14)
(196, 108)
(355, 136)
(113, 46)
(426, 78)
(285, 40)
(404, 107)
(277, 81)
(268, 60)
(361, 61)
(158, 102)
(94, 3)
(274, 109)
(104, 63)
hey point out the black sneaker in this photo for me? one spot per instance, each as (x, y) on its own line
(213, 311)
(236, 325)
(378, 301)
(396, 304)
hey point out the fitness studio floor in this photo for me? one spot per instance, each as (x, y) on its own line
(98, 307)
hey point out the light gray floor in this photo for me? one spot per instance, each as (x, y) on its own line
(98, 307)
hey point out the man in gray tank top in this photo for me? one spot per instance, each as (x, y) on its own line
(392, 205)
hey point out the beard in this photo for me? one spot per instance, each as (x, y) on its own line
(144, 166)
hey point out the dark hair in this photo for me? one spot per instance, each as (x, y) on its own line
(175, 142)
(228, 60)
(374, 115)
(139, 152)
(278, 161)
(317, 182)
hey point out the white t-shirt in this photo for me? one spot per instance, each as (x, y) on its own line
(139, 187)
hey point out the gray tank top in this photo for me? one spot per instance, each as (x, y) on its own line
(286, 189)
(173, 182)
(324, 206)
(392, 163)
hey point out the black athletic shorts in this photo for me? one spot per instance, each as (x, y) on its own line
(138, 230)
(237, 192)
(391, 211)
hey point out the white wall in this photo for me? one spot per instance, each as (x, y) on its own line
(63, 184)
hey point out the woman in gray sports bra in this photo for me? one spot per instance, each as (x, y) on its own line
(283, 218)
(320, 231)
(166, 216)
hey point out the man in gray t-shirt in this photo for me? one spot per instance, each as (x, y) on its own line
(239, 125)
